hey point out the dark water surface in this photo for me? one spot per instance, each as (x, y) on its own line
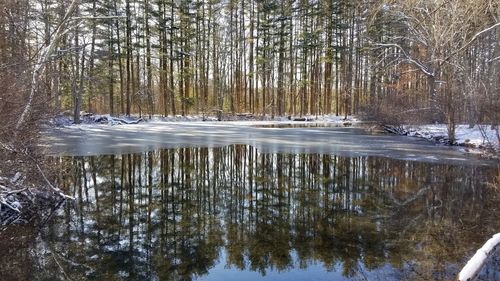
(237, 213)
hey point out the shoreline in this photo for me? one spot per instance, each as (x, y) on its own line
(470, 141)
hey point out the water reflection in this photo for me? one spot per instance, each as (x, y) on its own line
(182, 214)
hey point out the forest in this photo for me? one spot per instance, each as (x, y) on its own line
(392, 60)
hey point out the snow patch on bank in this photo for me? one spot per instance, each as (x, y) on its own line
(255, 118)
(480, 136)
(237, 119)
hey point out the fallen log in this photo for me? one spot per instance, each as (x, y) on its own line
(301, 119)
(124, 121)
(397, 130)
(115, 120)
(474, 265)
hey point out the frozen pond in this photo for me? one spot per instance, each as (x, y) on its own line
(270, 137)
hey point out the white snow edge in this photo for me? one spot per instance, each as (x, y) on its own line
(478, 136)
(474, 265)
(254, 120)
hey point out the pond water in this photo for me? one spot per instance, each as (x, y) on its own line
(239, 212)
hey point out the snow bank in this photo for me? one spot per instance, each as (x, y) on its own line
(64, 120)
(251, 117)
(477, 136)
(243, 118)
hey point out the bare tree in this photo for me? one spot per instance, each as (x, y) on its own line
(429, 36)
(44, 57)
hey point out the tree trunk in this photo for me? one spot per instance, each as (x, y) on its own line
(79, 91)
(149, 75)
(129, 56)
(171, 78)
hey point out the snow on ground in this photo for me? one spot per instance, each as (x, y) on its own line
(477, 136)
(249, 117)
(242, 119)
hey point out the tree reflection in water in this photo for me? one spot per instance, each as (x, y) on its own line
(175, 214)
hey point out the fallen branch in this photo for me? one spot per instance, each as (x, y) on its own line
(55, 189)
(16, 191)
(3, 202)
(6, 147)
(397, 130)
(115, 120)
(123, 121)
(474, 265)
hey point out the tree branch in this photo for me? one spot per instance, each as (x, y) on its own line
(97, 17)
(422, 67)
(472, 40)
